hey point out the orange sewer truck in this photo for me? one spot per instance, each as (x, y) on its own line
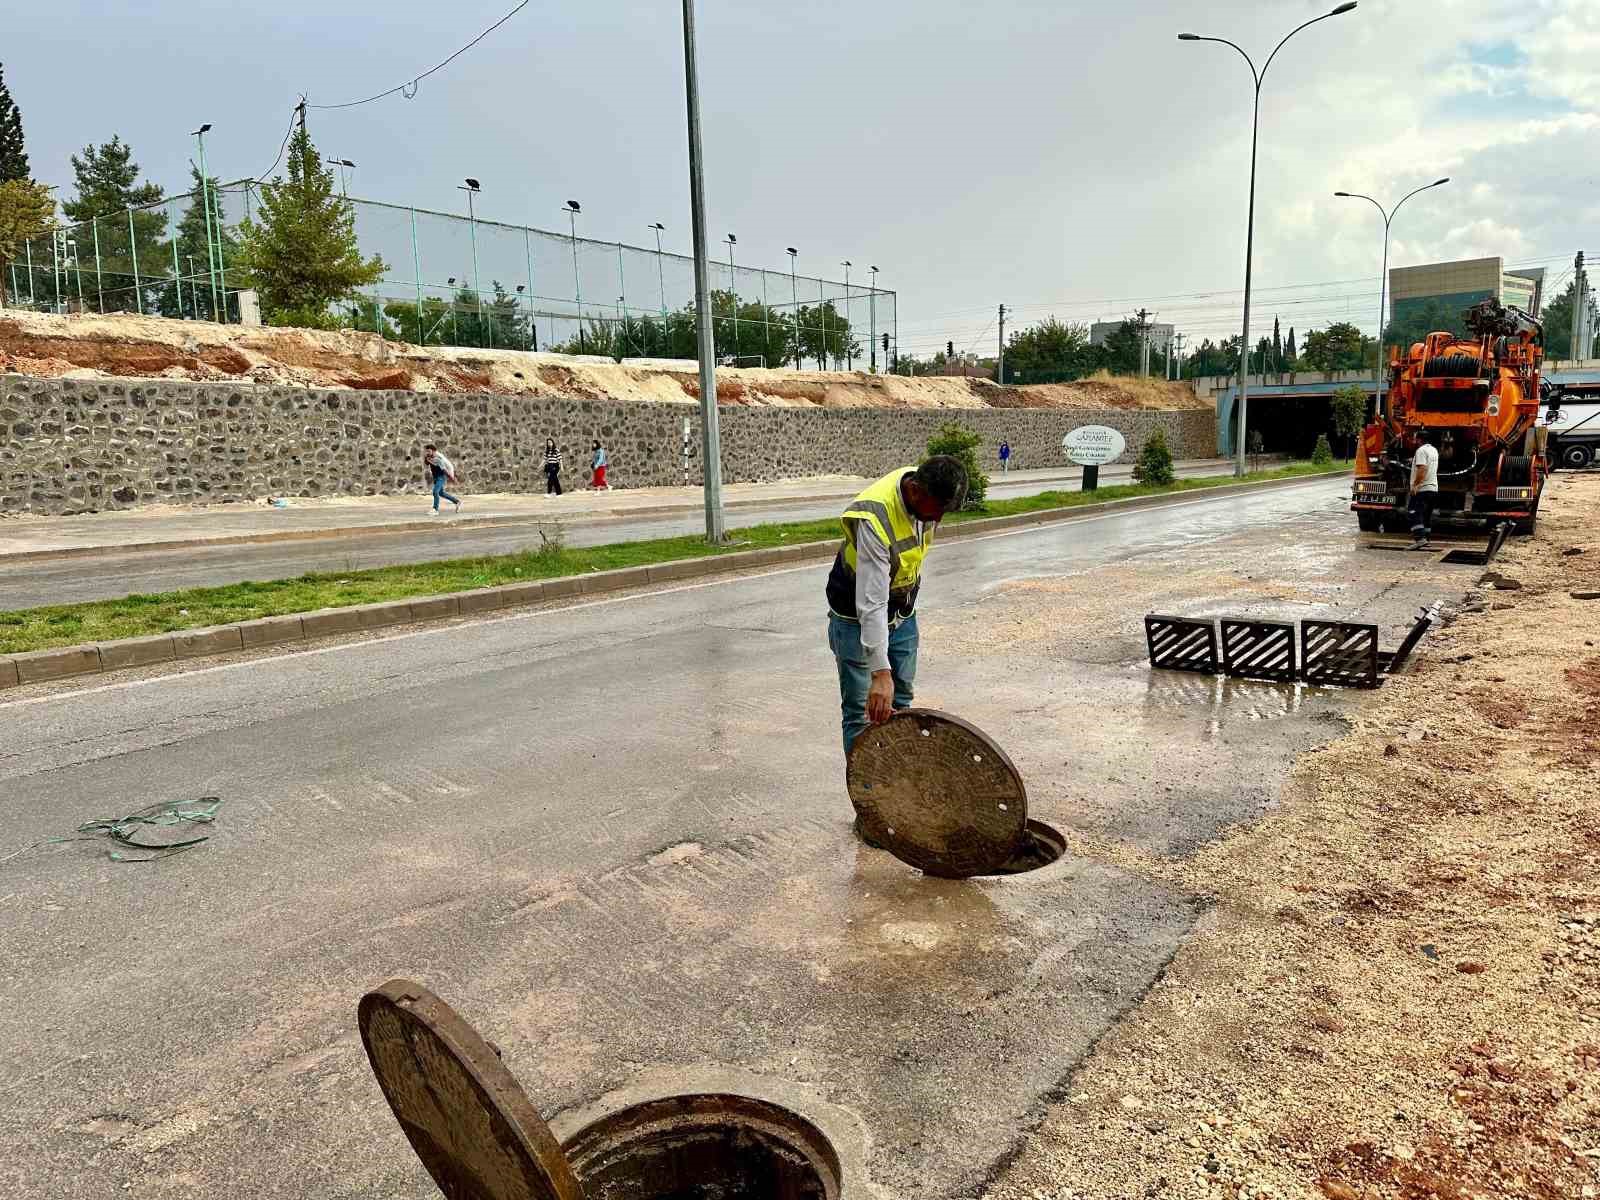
(1475, 399)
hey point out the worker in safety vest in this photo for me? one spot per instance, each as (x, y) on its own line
(872, 589)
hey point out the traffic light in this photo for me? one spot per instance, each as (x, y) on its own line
(949, 349)
(886, 345)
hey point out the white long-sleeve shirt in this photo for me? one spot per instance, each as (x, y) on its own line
(872, 593)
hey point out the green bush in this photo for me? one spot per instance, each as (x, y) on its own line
(1155, 461)
(1323, 454)
(961, 444)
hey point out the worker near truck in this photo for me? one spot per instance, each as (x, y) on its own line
(1424, 491)
(872, 588)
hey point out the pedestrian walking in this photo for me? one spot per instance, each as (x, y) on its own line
(552, 468)
(598, 463)
(1005, 456)
(872, 588)
(440, 472)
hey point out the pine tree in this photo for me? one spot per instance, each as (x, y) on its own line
(301, 253)
(115, 207)
(13, 158)
(1289, 352)
(1277, 346)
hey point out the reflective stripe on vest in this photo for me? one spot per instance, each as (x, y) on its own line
(881, 507)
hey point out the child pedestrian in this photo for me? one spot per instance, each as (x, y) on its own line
(552, 468)
(440, 471)
(598, 462)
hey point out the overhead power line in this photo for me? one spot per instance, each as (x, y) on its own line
(409, 88)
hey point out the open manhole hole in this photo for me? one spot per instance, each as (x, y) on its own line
(704, 1147)
(481, 1138)
(1041, 845)
(939, 794)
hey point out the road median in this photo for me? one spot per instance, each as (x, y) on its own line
(54, 662)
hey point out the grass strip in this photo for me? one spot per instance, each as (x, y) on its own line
(166, 612)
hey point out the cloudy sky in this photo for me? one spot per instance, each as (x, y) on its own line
(1055, 155)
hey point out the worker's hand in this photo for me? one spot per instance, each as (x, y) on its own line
(880, 697)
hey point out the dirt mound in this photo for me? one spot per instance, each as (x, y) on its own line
(98, 346)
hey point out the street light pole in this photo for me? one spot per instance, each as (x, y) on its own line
(661, 274)
(573, 209)
(1250, 223)
(710, 439)
(205, 203)
(733, 289)
(849, 358)
(472, 187)
(794, 296)
(872, 319)
(1383, 279)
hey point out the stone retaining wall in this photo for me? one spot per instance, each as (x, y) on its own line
(71, 446)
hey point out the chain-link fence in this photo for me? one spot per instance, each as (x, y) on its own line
(457, 281)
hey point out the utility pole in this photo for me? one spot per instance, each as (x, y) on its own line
(1144, 340)
(1579, 289)
(1178, 337)
(1000, 373)
(710, 441)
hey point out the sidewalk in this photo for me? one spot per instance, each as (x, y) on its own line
(25, 537)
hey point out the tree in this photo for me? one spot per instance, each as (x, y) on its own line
(115, 206)
(1155, 461)
(1211, 359)
(301, 253)
(1289, 351)
(1122, 350)
(1322, 453)
(13, 158)
(1277, 347)
(1349, 412)
(26, 211)
(1049, 352)
(962, 444)
(1340, 347)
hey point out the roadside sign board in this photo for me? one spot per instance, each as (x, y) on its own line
(1093, 445)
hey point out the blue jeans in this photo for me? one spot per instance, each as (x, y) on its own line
(855, 676)
(440, 494)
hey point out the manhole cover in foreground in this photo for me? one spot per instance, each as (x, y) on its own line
(937, 793)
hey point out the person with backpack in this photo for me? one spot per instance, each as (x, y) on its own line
(1005, 456)
(440, 471)
(552, 468)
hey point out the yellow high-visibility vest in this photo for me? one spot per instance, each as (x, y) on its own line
(881, 507)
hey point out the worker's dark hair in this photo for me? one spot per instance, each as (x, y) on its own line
(945, 480)
(430, 446)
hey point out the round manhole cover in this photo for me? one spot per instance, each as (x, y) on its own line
(469, 1121)
(937, 793)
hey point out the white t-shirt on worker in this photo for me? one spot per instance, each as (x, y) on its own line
(1428, 459)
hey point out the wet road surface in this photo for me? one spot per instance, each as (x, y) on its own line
(75, 580)
(615, 836)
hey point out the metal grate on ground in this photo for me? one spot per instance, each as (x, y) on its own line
(1343, 653)
(1258, 649)
(1181, 644)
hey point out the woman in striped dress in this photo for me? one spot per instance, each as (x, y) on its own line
(552, 468)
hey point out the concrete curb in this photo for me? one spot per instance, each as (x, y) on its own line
(597, 517)
(64, 662)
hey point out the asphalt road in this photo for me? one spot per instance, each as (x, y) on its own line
(615, 835)
(72, 580)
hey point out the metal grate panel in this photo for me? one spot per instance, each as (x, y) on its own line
(1258, 649)
(1339, 652)
(1180, 644)
(1482, 558)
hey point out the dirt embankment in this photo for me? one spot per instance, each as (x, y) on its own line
(92, 346)
(1396, 995)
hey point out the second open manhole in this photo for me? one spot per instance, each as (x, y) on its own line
(704, 1147)
(480, 1136)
